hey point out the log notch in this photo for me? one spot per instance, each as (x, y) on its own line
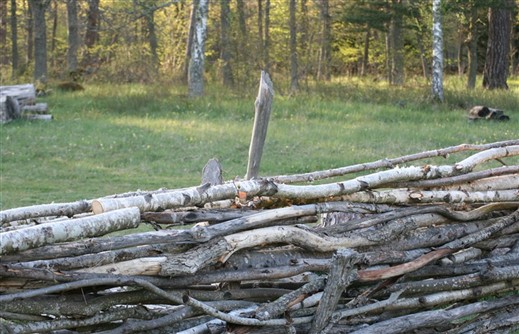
(19, 102)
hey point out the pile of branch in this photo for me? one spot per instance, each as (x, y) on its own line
(392, 246)
(19, 101)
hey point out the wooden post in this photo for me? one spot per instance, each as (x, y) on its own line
(263, 107)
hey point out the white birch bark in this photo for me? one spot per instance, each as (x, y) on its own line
(437, 65)
(44, 210)
(67, 230)
(197, 60)
(402, 196)
(200, 196)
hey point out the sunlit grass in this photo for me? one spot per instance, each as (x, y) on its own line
(117, 138)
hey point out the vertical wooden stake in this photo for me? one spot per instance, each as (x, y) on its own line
(263, 107)
(342, 273)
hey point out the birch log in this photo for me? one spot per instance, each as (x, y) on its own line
(263, 187)
(44, 210)
(44, 234)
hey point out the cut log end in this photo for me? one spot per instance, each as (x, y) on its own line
(97, 207)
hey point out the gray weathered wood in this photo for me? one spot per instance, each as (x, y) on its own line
(263, 107)
(342, 273)
(212, 173)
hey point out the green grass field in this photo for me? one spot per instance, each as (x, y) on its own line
(117, 138)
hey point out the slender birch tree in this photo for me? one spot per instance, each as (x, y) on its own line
(437, 65)
(195, 78)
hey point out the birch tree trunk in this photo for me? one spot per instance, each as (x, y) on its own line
(437, 74)
(196, 63)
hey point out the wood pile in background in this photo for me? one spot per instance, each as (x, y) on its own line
(19, 101)
(406, 246)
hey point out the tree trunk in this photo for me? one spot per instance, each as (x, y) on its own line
(92, 27)
(192, 21)
(30, 33)
(325, 54)
(266, 45)
(225, 44)
(241, 18)
(40, 39)
(365, 56)
(437, 31)
(151, 34)
(14, 40)
(498, 46)
(473, 48)
(54, 14)
(303, 40)
(4, 56)
(397, 43)
(294, 75)
(261, 38)
(91, 32)
(72, 35)
(196, 64)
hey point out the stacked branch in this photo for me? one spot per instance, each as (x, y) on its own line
(406, 246)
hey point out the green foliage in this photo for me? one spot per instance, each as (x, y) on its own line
(116, 138)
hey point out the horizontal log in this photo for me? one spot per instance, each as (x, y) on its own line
(44, 210)
(206, 193)
(44, 234)
(38, 108)
(42, 117)
(388, 163)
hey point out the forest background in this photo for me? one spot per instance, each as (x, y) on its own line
(147, 41)
(352, 80)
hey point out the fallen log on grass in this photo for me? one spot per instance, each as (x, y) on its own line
(403, 240)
